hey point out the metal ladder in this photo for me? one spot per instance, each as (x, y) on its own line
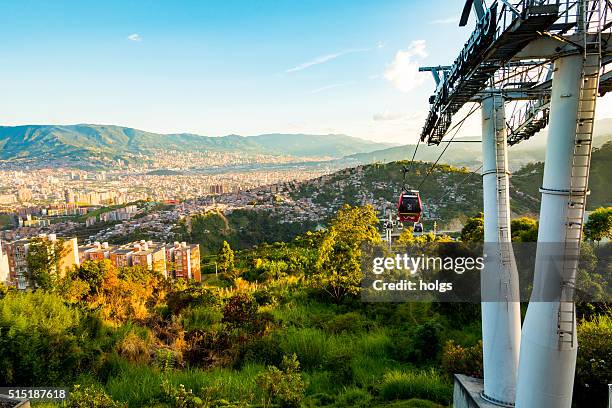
(581, 162)
(501, 175)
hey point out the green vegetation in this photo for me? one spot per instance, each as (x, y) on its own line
(599, 224)
(281, 326)
(7, 221)
(242, 229)
(528, 180)
(43, 260)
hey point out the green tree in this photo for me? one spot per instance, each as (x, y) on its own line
(338, 267)
(93, 273)
(599, 224)
(43, 258)
(524, 229)
(225, 259)
(473, 230)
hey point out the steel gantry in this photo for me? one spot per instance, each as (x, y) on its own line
(550, 58)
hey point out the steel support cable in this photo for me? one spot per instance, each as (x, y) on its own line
(410, 165)
(458, 126)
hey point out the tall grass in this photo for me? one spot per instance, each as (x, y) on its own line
(312, 346)
(415, 384)
(140, 385)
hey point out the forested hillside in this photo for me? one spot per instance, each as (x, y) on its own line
(528, 180)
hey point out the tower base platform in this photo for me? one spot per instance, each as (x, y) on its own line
(467, 393)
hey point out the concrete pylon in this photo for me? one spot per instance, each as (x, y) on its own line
(547, 366)
(501, 318)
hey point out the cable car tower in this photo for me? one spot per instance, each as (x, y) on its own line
(550, 59)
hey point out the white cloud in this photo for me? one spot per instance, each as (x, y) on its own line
(447, 20)
(135, 37)
(324, 58)
(386, 115)
(332, 86)
(403, 72)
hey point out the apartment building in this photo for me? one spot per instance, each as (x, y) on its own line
(150, 255)
(185, 260)
(95, 252)
(19, 274)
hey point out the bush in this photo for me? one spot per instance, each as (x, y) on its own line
(180, 397)
(423, 345)
(426, 342)
(265, 350)
(351, 322)
(240, 310)
(41, 340)
(284, 387)
(340, 363)
(91, 397)
(462, 360)
(594, 362)
(415, 384)
(264, 297)
(320, 399)
(136, 347)
(354, 397)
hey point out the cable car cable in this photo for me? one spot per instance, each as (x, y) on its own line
(458, 126)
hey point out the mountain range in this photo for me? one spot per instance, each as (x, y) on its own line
(82, 141)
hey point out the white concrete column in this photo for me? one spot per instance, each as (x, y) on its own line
(546, 367)
(501, 320)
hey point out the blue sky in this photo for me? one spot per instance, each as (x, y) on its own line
(221, 67)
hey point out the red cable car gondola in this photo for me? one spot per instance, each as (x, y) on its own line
(409, 206)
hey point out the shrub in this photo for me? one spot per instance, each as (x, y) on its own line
(426, 342)
(42, 341)
(346, 323)
(462, 360)
(284, 387)
(320, 399)
(264, 297)
(91, 397)
(354, 397)
(180, 397)
(265, 350)
(240, 310)
(136, 348)
(415, 384)
(339, 363)
(423, 345)
(594, 362)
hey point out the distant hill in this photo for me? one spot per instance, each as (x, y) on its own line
(469, 154)
(82, 141)
(449, 194)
